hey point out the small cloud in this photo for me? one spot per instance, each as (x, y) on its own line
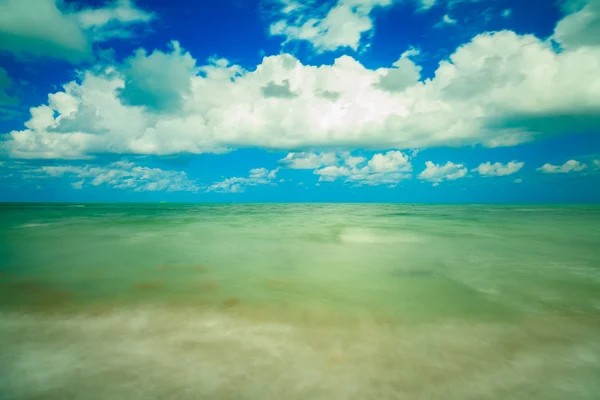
(568, 167)
(499, 169)
(308, 160)
(506, 13)
(78, 185)
(518, 180)
(446, 20)
(436, 173)
(426, 4)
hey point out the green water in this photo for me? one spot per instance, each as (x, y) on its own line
(319, 301)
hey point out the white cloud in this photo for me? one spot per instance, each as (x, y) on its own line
(121, 175)
(499, 169)
(78, 185)
(308, 160)
(257, 176)
(506, 13)
(518, 180)
(581, 27)
(426, 4)
(343, 25)
(569, 166)
(49, 28)
(111, 21)
(446, 20)
(597, 164)
(499, 89)
(382, 169)
(436, 173)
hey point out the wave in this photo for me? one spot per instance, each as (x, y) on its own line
(33, 225)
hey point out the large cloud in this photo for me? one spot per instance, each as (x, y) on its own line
(44, 29)
(499, 89)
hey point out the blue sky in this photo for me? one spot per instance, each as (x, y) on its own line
(287, 100)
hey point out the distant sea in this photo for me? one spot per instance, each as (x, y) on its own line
(299, 301)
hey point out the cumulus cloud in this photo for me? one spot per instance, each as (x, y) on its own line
(257, 176)
(567, 167)
(382, 169)
(121, 175)
(52, 29)
(499, 89)
(342, 25)
(597, 164)
(403, 74)
(159, 81)
(499, 169)
(436, 173)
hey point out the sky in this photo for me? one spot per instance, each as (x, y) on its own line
(428, 101)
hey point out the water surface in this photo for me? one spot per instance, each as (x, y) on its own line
(297, 301)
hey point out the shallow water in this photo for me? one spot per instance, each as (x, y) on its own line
(299, 301)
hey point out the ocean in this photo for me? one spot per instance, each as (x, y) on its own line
(299, 301)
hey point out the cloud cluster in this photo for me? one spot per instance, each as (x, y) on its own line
(257, 176)
(499, 89)
(382, 169)
(121, 175)
(436, 173)
(54, 29)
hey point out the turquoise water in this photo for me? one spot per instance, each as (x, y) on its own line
(297, 301)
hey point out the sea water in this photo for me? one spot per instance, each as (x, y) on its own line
(299, 301)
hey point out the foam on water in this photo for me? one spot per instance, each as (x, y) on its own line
(185, 353)
(374, 236)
